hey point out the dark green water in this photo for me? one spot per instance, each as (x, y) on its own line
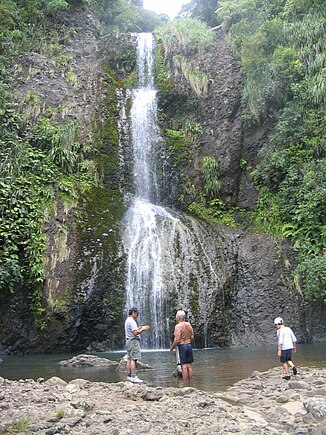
(213, 370)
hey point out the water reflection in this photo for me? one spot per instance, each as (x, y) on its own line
(214, 369)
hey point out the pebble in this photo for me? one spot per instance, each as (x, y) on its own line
(261, 404)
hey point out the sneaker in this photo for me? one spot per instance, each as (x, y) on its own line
(287, 378)
(295, 371)
(136, 380)
(129, 378)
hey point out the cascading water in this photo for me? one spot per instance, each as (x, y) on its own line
(167, 267)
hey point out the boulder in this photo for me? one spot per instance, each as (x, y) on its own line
(85, 360)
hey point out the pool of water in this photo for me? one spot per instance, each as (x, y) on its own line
(213, 370)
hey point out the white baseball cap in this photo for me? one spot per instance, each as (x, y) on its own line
(278, 320)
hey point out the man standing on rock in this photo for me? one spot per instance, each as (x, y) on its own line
(133, 331)
(286, 343)
(183, 338)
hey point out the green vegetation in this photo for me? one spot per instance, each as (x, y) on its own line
(179, 147)
(186, 35)
(197, 79)
(180, 40)
(203, 10)
(59, 414)
(119, 14)
(124, 16)
(209, 170)
(282, 48)
(19, 426)
(162, 80)
(43, 158)
(215, 211)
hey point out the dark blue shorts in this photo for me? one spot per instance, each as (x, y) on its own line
(286, 355)
(185, 353)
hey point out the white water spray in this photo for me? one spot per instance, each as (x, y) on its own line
(165, 266)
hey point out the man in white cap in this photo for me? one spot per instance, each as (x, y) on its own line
(286, 343)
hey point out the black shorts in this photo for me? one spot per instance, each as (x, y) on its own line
(185, 353)
(286, 355)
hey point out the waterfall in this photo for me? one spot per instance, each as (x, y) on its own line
(142, 234)
(167, 265)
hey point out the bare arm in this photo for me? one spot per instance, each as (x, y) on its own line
(174, 344)
(279, 350)
(141, 329)
(177, 338)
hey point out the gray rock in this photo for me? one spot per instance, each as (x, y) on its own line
(282, 399)
(98, 408)
(316, 406)
(299, 385)
(86, 360)
(55, 381)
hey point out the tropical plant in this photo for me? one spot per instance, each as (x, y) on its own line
(209, 171)
(192, 128)
(197, 79)
(186, 35)
(204, 10)
(215, 211)
(282, 48)
(37, 155)
(181, 39)
(56, 5)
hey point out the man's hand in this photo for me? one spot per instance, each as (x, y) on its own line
(141, 329)
(279, 353)
(171, 349)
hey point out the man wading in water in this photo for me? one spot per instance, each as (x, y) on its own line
(183, 337)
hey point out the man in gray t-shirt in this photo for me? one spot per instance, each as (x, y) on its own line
(132, 332)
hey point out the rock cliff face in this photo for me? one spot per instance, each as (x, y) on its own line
(250, 287)
(84, 293)
(219, 113)
(255, 271)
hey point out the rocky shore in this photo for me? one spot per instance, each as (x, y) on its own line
(264, 403)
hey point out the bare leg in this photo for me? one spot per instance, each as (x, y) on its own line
(131, 367)
(186, 373)
(190, 372)
(286, 368)
(290, 363)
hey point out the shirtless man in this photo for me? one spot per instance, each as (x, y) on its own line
(183, 337)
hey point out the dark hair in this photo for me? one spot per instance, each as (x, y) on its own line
(133, 310)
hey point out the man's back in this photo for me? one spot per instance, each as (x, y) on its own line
(286, 337)
(183, 331)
